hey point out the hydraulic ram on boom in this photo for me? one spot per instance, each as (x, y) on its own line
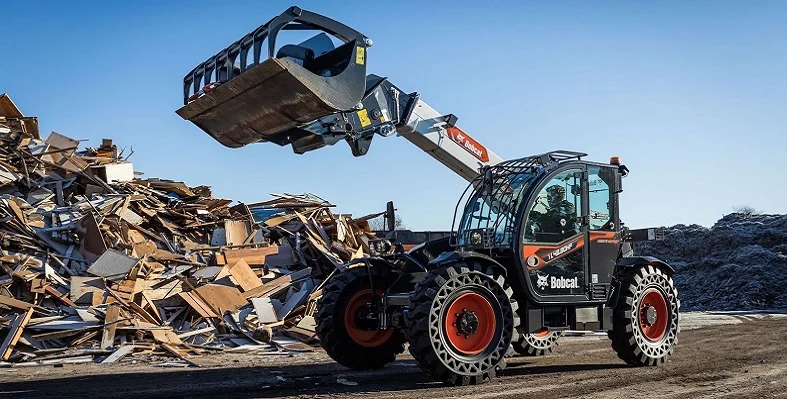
(315, 94)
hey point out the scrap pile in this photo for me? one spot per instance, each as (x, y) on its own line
(97, 264)
(743, 257)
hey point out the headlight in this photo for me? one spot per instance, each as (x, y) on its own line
(476, 238)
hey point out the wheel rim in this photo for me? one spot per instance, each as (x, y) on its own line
(541, 334)
(470, 323)
(653, 315)
(365, 338)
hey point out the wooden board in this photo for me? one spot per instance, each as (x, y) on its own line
(59, 295)
(120, 353)
(243, 275)
(16, 329)
(221, 298)
(83, 288)
(198, 304)
(110, 325)
(252, 256)
(7, 107)
(166, 337)
(15, 303)
(237, 231)
(173, 350)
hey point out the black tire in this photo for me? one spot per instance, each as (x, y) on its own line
(534, 345)
(631, 334)
(333, 331)
(427, 329)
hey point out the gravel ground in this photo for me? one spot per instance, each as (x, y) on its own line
(719, 355)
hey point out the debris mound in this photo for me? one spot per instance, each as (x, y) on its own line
(98, 264)
(740, 263)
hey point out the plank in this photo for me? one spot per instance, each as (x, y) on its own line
(166, 337)
(196, 332)
(244, 276)
(15, 303)
(17, 327)
(173, 350)
(236, 231)
(198, 304)
(120, 353)
(110, 325)
(252, 256)
(59, 295)
(221, 298)
(142, 312)
(7, 107)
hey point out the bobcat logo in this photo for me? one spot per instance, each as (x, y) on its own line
(543, 281)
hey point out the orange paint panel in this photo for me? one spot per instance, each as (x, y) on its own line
(468, 143)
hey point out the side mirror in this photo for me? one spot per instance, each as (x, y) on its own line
(488, 181)
(390, 216)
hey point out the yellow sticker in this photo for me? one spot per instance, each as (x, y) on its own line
(360, 56)
(364, 117)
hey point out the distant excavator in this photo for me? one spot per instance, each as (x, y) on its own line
(539, 247)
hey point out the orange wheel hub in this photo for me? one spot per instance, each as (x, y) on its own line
(363, 337)
(541, 334)
(470, 323)
(653, 315)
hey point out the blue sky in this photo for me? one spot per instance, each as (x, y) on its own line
(692, 95)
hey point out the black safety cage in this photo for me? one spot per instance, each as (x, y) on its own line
(498, 216)
(224, 65)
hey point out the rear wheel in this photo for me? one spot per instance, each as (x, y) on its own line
(461, 323)
(346, 332)
(537, 344)
(645, 321)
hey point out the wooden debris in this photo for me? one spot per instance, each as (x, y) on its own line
(119, 354)
(110, 324)
(16, 328)
(94, 257)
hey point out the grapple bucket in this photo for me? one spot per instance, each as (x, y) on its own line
(239, 100)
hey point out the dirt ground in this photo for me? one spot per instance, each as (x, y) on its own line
(732, 356)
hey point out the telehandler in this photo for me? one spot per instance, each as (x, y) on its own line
(539, 247)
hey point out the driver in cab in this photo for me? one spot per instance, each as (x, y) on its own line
(561, 215)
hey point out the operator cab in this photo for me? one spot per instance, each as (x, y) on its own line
(552, 220)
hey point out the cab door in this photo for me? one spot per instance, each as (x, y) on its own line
(603, 230)
(554, 252)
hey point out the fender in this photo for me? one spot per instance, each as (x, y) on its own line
(628, 262)
(453, 256)
(374, 261)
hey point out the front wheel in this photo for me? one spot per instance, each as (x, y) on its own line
(645, 321)
(461, 323)
(344, 327)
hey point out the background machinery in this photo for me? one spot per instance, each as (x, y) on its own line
(538, 246)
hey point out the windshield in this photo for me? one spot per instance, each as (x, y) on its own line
(495, 213)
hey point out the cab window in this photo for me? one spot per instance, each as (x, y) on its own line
(600, 180)
(553, 216)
